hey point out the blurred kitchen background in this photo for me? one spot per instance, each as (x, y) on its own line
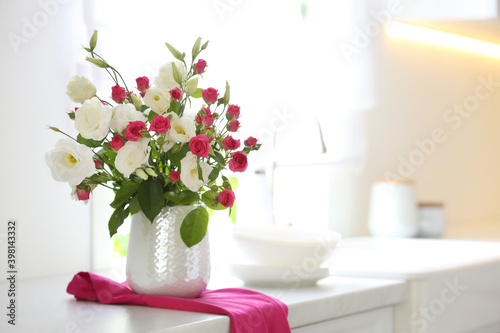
(338, 97)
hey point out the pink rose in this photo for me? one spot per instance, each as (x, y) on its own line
(176, 94)
(230, 144)
(210, 95)
(199, 145)
(233, 111)
(117, 142)
(82, 194)
(200, 66)
(251, 142)
(238, 162)
(118, 94)
(174, 176)
(208, 119)
(226, 198)
(202, 113)
(142, 83)
(233, 126)
(160, 124)
(134, 129)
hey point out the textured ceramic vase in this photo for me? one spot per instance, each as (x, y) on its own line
(158, 261)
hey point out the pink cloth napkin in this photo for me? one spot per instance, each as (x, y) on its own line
(249, 311)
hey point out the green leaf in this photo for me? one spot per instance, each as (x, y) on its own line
(197, 93)
(175, 53)
(209, 198)
(151, 199)
(93, 40)
(198, 168)
(124, 193)
(116, 220)
(88, 142)
(214, 174)
(182, 198)
(194, 226)
(218, 158)
(134, 206)
(232, 212)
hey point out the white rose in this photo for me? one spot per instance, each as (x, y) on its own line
(92, 119)
(132, 155)
(79, 89)
(182, 129)
(123, 114)
(157, 99)
(70, 162)
(189, 172)
(165, 78)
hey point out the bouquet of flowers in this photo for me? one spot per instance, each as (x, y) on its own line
(146, 146)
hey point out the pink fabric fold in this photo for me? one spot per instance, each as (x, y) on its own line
(249, 310)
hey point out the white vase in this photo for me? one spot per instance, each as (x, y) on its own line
(158, 261)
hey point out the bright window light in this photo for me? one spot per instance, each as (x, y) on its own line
(425, 35)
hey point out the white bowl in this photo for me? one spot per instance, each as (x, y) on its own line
(285, 246)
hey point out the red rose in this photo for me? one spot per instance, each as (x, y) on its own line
(176, 94)
(142, 83)
(226, 198)
(117, 142)
(230, 144)
(233, 126)
(233, 111)
(202, 113)
(82, 194)
(174, 176)
(118, 94)
(160, 124)
(210, 95)
(238, 162)
(134, 130)
(199, 145)
(200, 66)
(251, 142)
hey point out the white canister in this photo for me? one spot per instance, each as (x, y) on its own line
(393, 209)
(431, 219)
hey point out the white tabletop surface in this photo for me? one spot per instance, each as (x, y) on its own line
(42, 305)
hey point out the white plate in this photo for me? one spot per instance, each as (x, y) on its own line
(275, 276)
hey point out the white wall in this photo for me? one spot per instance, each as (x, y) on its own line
(53, 231)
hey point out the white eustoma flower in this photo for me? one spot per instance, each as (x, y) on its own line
(182, 129)
(165, 78)
(132, 155)
(189, 172)
(92, 119)
(169, 143)
(157, 99)
(80, 88)
(70, 162)
(124, 114)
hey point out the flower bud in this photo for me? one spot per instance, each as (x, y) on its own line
(140, 173)
(151, 172)
(97, 62)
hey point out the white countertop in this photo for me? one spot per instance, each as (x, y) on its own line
(42, 305)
